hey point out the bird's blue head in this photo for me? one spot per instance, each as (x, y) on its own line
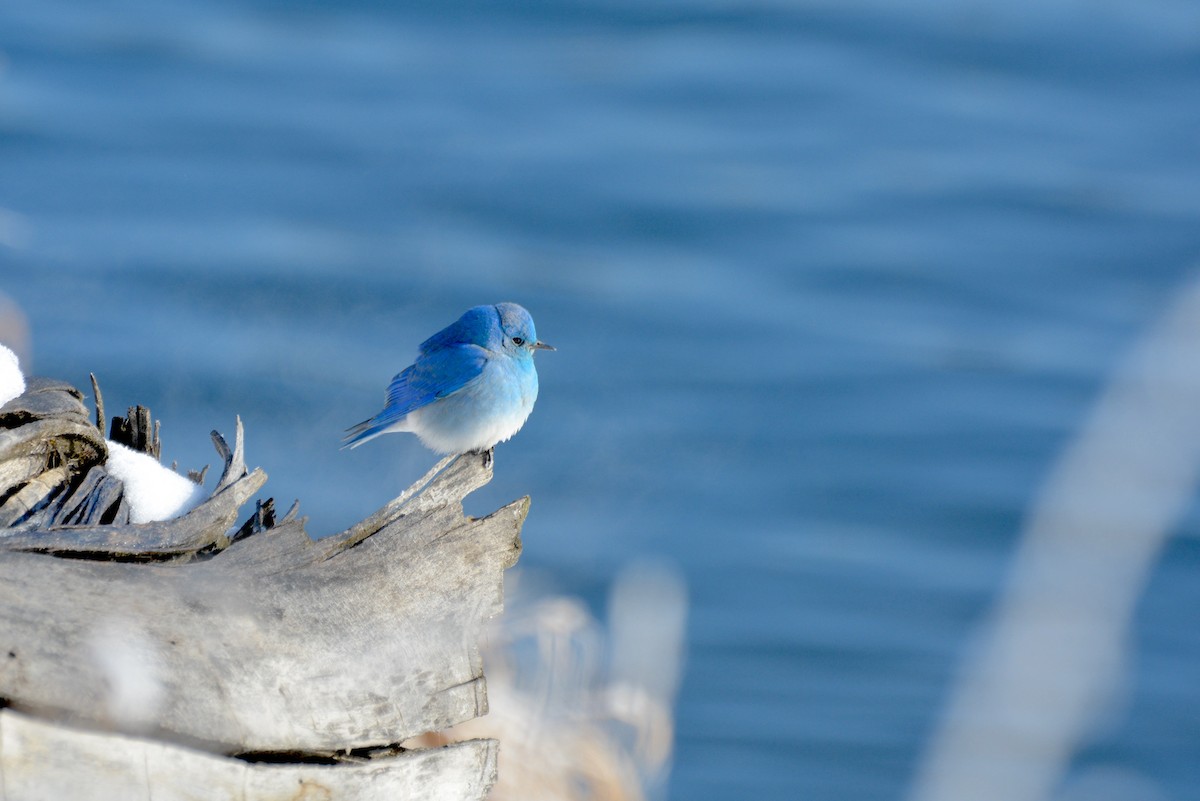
(517, 332)
(505, 328)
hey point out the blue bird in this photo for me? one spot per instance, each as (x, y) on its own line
(473, 384)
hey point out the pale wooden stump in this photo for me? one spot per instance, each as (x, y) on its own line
(196, 659)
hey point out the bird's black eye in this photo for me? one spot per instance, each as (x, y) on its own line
(518, 341)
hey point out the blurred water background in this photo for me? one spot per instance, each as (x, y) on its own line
(832, 285)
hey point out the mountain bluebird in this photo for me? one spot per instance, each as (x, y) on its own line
(473, 384)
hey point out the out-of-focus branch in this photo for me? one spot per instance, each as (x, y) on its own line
(1053, 648)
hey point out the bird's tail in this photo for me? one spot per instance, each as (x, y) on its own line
(370, 429)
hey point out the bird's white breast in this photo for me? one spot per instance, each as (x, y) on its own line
(490, 409)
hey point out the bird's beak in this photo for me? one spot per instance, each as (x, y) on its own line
(539, 345)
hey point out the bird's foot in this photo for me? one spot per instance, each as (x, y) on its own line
(486, 456)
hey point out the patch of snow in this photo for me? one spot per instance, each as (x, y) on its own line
(12, 382)
(154, 492)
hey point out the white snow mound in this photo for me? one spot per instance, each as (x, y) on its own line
(12, 382)
(154, 492)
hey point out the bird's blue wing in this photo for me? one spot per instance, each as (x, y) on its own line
(435, 375)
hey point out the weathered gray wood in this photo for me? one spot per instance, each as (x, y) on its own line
(205, 527)
(88, 503)
(251, 640)
(42, 761)
(44, 398)
(277, 643)
(31, 450)
(138, 431)
(36, 493)
(46, 443)
(48, 428)
(99, 401)
(61, 437)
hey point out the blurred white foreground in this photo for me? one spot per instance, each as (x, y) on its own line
(583, 713)
(1054, 649)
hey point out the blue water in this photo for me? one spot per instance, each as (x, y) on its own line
(832, 284)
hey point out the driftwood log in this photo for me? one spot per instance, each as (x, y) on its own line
(196, 658)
